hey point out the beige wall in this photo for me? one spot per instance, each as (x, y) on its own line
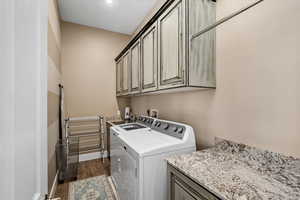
(54, 78)
(257, 100)
(89, 69)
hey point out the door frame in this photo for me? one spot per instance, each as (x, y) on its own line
(23, 84)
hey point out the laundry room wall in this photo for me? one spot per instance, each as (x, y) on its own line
(54, 79)
(88, 68)
(257, 100)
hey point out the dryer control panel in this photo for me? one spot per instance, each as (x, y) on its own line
(168, 128)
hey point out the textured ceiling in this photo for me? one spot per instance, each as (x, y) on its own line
(121, 16)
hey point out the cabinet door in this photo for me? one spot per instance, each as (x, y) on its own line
(181, 187)
(149, 59)
(202, 49)
(119, 77)
(171, 45)
(128, 188)
(116, 155)
(135, 68)
(181, 193)
(125, 73)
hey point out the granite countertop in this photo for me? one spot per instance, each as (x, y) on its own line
(238, 172)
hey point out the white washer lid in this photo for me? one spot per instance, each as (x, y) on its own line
(149, 142)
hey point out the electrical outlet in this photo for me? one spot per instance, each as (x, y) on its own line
(154, 113)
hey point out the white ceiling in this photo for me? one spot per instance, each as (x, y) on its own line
(121, 16)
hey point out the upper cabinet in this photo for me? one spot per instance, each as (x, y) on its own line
(171, 51)
(149, 59)
(119, 77)
(168, 53)
(125, 73)
(202, 49)
(135, 55)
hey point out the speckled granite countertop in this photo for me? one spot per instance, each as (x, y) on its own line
(238, 172)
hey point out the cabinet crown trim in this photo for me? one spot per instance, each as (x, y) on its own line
(145, 27)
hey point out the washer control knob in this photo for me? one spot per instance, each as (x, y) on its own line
(175, 128)
(158, 124)
(166, 126)
(180, 130)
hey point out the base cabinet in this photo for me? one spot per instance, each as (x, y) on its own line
(182, 193)
(182, 187)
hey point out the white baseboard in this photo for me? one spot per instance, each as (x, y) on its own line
(91, 156)
(54, 185)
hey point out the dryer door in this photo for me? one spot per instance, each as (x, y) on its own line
(129, 175)
(116, 152)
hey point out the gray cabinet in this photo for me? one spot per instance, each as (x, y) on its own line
(181, 187)
(171, 46)
(182, 193)
(125, 73)
(202, 49)
(119, 77)
(149, 59)
(166, 54)
(135, 56)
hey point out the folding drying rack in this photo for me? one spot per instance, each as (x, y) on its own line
(81, 135)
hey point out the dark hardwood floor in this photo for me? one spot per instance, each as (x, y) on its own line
(86, 169)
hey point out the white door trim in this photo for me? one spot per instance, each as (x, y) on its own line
(23, 84)
(42, 82)
(7, 134)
